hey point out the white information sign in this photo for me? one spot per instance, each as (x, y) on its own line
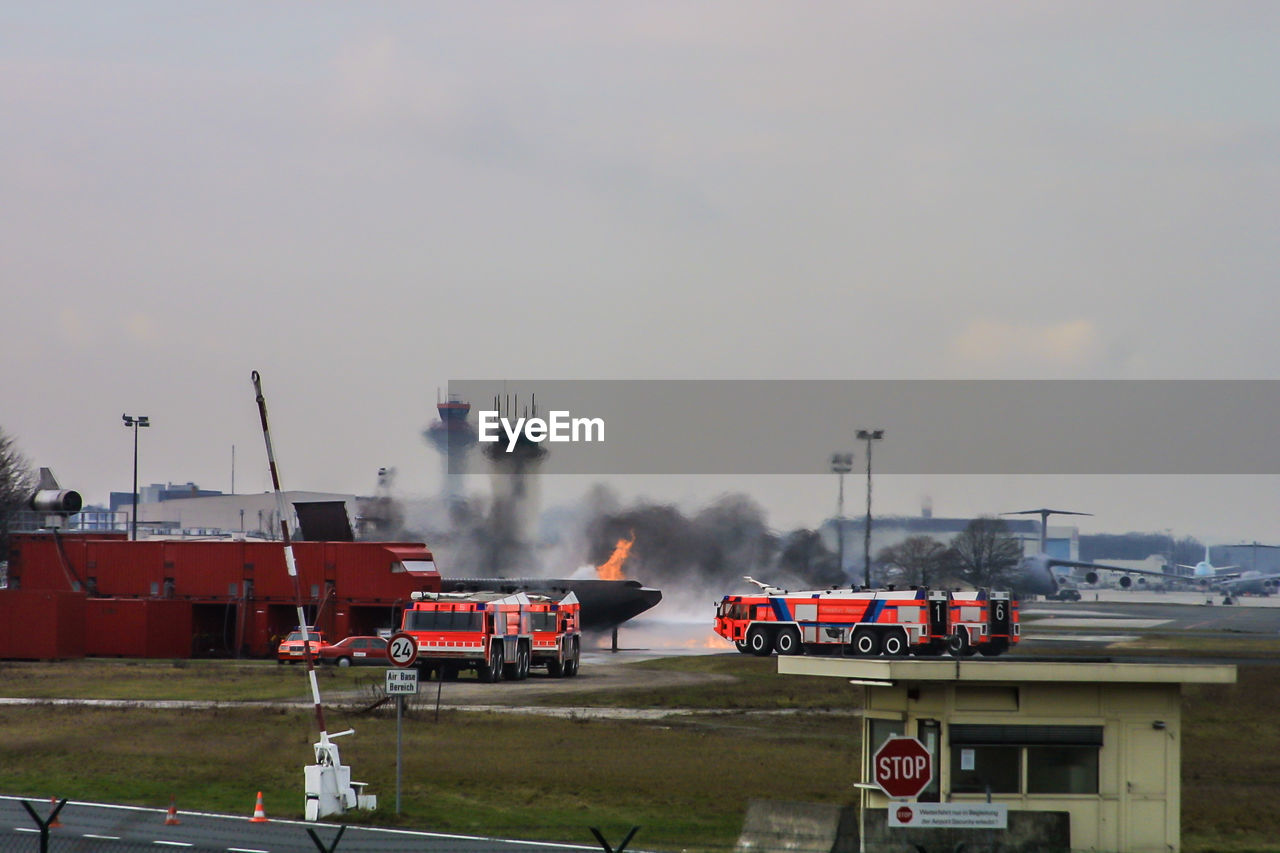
(402, 681)
(949, 815)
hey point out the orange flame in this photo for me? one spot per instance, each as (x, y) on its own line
(612, 568)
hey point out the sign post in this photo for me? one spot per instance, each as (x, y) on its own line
(402, 650)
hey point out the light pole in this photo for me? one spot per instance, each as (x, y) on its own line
(135, 421)
(868, 435)
(841, 464)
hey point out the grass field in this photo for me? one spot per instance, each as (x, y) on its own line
(685, 779)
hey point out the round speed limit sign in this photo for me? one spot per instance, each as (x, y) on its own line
(402, 649)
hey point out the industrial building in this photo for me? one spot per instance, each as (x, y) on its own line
(72, 595)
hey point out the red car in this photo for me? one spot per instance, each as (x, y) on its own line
(369, 651)
(291, 649)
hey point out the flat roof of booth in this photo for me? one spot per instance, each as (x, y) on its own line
(1005, 670)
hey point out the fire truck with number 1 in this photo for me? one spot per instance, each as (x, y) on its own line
(867, 622)
(498, 635)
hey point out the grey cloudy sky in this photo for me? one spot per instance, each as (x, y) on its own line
(365, 201)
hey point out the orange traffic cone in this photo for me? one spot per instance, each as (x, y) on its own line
(53, 824)
(259, 813)
(171, 819)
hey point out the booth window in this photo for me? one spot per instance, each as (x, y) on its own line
(1059, 759)
(1062, 770)
(979, 769)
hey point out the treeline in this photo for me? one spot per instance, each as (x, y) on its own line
(1138, 546)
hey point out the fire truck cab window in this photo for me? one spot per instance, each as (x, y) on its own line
(544, 621)
(444, 620)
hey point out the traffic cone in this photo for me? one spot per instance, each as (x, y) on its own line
(259, 813)
(171, 819)
(55, 823)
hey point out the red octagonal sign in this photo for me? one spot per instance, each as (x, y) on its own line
(902, 767)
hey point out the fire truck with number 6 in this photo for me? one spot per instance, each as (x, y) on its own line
(868, 622)
(500, 636)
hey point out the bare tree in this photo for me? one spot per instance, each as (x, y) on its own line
(985, 553)
(803, 555)
(919, 559)
(17, 483)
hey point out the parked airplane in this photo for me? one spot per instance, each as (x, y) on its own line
(1043, 574)
(1206, 576)
(1206, 569)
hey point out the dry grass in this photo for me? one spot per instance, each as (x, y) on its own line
(686, 780)
(228, 680)
(686, 783)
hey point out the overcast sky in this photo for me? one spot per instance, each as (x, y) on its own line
(364, 201)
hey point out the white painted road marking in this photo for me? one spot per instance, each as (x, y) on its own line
(103, 837)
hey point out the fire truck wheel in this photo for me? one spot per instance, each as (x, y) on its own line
(555, 669)
(958, 645)
(571, 665)
(788, 642)
(741, 646)
(895, 644)
(865, 642)
(522, 663)
(993, 648)
(493, 671)
(758, 641)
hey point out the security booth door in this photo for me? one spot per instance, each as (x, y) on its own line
(929, 733)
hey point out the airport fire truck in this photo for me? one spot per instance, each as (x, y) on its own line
(982, 622)
(867, 622)
(497, 635)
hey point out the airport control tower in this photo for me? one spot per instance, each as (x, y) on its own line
(454, 436)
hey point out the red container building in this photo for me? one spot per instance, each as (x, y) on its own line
(183, 598)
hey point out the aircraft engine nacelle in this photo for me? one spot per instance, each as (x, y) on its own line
(1125, 581)
(1091, 577)
(57, 501)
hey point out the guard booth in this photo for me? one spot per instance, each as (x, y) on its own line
(1079, 755)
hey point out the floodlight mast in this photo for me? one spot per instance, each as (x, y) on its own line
(289, 561)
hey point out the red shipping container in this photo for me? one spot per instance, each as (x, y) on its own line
(41, 624)
(138, 628)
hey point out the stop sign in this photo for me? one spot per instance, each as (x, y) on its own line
(902, 767)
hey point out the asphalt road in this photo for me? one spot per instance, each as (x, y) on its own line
(1126, 616)
(125, 829)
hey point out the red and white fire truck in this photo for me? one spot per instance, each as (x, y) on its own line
(498, 635)
(867, 622)
(983, 622)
